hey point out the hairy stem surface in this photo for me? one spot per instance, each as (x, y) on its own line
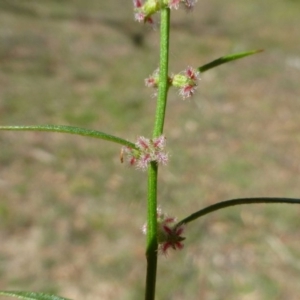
(151, 251)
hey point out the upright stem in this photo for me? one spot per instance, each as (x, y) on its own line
(151, 251)
(163, 72)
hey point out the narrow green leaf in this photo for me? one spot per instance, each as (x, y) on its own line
(226, 59)
(233, 202)
(71, 130)
(31, 295)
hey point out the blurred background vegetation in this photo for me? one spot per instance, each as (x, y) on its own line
(70, 213)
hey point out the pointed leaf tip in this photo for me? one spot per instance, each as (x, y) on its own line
(227, 58)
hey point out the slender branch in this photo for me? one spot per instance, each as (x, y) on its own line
(71, 130)
(233, 202)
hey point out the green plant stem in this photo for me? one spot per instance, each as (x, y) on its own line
(163, 72)
(151, 251)
(233, 202)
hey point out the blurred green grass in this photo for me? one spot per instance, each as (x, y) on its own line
(70, 213)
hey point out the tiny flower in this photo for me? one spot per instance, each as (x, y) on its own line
(142, 143)
(174, 4)
(186, 81)
(169, 236)
(189, 4)
(162, 158)
(187, 91)
(171, 239)
(143, 161)
(144, 11)
(146, 151)
(152, 80)
(192, 74)
(159, 142)
(137, 3)
(131, 155)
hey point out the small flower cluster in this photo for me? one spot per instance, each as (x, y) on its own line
(145, 11)
(188, 4)
(147, 151)
(186, 81)
(153, 79)
(168, 235)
